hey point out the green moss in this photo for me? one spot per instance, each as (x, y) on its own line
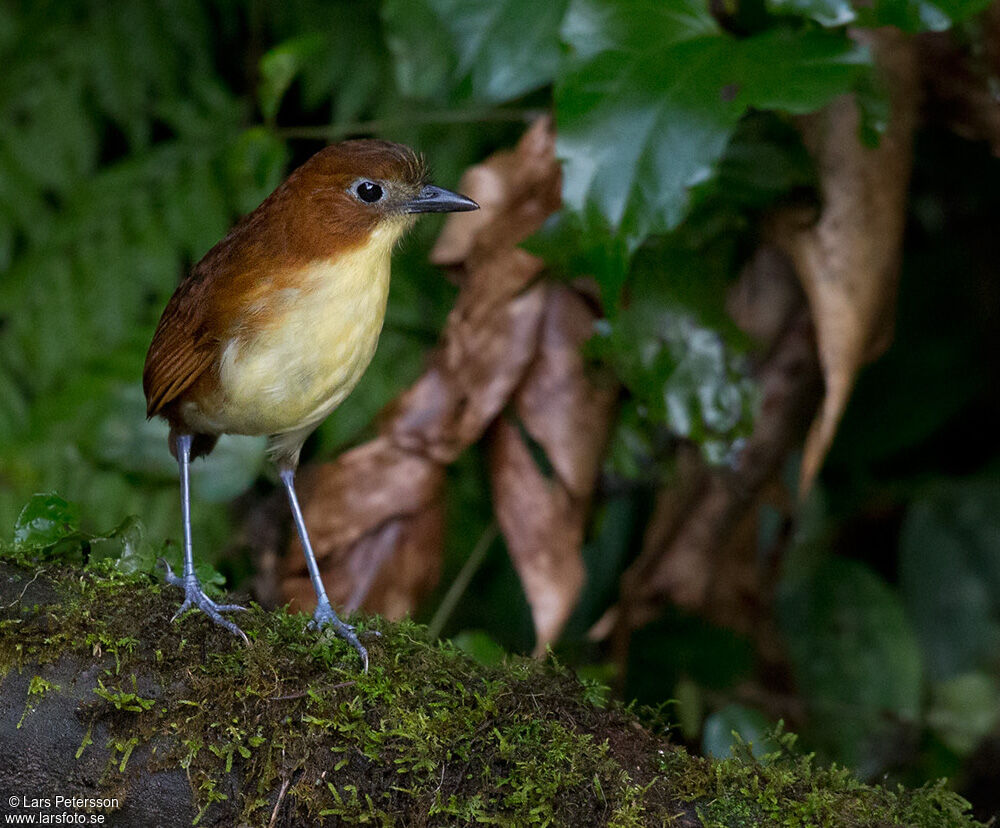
(36, 692)
(426, 737)
(427, 730)
(786, 789)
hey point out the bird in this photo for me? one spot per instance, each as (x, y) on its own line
(272, 329)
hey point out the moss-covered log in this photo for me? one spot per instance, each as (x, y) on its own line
(102, 696)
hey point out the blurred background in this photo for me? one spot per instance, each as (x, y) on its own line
(725, 441)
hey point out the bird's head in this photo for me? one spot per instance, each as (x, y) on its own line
(367, 189)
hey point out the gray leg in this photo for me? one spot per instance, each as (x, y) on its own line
(193, 594)
(324, 615)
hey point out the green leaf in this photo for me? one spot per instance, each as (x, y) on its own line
(653, 92)
(574, 247)
(667, 349)
(45, 520)
(424, 56)
(51, 524)
(504, 48)
(479, 646)
(279, 67)
(750, 726)
(909, 15)
(255, 163)
(764, 160)
(964, 710)
(632, 451)
(855, 658)
(824, 12)
(125, 546)
(950, 575)
(134, 444)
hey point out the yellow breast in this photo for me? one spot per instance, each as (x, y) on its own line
(320, 334)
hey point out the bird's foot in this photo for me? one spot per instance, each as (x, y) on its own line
(324, 616)
(194, 596)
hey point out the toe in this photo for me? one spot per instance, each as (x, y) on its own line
(325, 617)
(170, 577)
(229, 625)
(182, 609)
(229, 608)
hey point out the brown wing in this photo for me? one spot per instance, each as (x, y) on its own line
(182, 348)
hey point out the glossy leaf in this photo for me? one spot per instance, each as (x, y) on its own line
(824, 12)
(680, 372)
(45, 520)
(503, 48)
(645, 112)
(50, 524)
(908, 15)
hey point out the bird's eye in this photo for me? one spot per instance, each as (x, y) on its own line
(368, 191)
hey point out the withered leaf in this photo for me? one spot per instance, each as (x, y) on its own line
(543, 526)
(568, 414)
(563, 406)
(848, 261)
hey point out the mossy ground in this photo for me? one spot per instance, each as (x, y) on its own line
(427, 737)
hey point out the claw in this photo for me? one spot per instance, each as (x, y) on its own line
(194, 597)
(324, 616)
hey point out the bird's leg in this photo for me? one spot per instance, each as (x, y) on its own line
(194, 596)
(324, 616)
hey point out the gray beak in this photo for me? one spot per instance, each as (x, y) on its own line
(433, 199)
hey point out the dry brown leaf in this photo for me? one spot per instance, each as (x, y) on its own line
(848, 261)
(488, 344)
(530, 193)
(366, 487)
(765, 297)
(487, 184)
(543, 526)
(388, 568)
(569, 415)
(563, 407)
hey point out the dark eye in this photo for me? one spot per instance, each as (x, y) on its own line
(369, 192)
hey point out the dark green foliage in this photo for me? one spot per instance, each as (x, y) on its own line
(123, 159)
(631, 91)
(855, 658)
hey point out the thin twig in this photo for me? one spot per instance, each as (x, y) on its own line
(19, 597)
(277, 805)
(447, 116)
(462, 581)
